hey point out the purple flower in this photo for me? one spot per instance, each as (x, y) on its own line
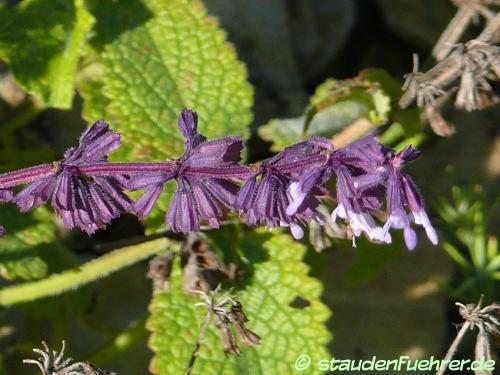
(346, 164)
(81, 202)
(266, 201)
(402, 193)
(5, 195)
(204, 175)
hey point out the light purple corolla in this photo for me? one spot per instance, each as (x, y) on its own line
(345, 164)
(266, 201)
(401, 193)
(403, 196)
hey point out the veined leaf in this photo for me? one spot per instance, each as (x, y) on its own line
(275, 280)
(42, 42)
(178, 59)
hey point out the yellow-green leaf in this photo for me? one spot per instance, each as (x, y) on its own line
(180, 58)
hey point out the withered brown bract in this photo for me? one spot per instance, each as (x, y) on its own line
(202, 269)
(160, 269)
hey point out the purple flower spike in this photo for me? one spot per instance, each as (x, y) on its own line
(204, 176)
(346, 164)
(266, 201)
(81, 202)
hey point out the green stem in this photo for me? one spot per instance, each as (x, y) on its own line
(76, 277)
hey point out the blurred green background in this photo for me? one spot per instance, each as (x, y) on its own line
(385, 300)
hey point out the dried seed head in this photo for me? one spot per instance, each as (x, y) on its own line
(229, 345)
(202, 269)
(438, 124)
(228, 312)
(52, 363)
(238, 319)
(425, 88)
(486, 318)
(159, 271)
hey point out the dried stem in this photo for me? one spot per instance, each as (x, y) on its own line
(468, 11)
(453, 31)
(491, 33)
(201, 337)
(453, 347)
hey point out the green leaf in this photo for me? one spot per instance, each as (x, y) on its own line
(95, 103)
(359, 90)
(42, 42)
(326, 123)
(178, 59)
(275, 279)
(282, 132)
(334, 106)
(27, 235)
(388, 83)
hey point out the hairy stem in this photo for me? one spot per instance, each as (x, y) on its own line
(107, 169)
(239, 172)
(201, 336)
(76, 277)
(25, 175)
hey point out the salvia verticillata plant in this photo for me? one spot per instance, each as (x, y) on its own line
(87, 191)
(463, 69)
